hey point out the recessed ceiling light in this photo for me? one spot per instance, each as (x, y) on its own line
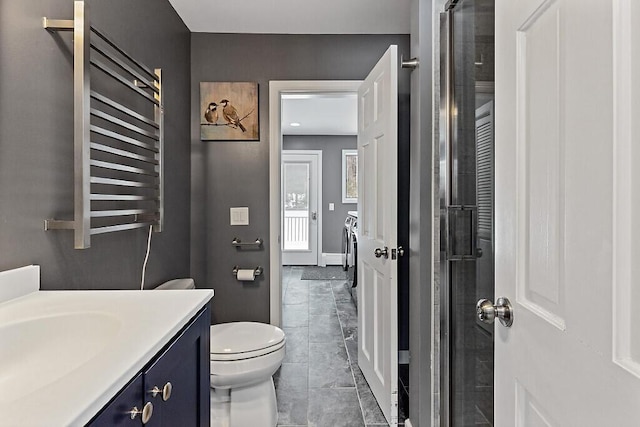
(294, 124)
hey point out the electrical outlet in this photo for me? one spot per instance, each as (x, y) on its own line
(332, 206)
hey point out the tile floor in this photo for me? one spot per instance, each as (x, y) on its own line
(319, 383)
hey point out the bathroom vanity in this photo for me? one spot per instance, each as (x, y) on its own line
(169, 391)
(102, 357)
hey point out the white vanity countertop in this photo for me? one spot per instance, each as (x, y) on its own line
(65, 354)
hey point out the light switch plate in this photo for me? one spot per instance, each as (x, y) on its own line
(332, 206)
(239, 216)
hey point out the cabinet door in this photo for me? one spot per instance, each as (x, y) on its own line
(184, 364)
(117, 412)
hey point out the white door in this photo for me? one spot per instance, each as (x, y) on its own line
(377, 228)
(301, 180)
(568, 212)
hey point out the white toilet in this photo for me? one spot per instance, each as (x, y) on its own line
(244, 357)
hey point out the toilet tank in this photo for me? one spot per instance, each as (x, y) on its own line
(187, 283)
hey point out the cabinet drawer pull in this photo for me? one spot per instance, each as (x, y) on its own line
(166, 391)
(147, 412)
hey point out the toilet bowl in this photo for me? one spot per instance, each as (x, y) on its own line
(243, 358)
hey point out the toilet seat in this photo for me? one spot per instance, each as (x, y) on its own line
(244, 340)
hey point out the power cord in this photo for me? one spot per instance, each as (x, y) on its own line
(146, 258)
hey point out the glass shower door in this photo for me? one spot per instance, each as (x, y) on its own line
(466, 201)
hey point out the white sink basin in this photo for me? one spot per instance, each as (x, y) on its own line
(30, 348)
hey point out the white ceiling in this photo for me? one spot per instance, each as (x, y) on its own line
(317, 114)
(324, 114)
(295, 16)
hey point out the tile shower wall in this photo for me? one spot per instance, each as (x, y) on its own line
(36, 144)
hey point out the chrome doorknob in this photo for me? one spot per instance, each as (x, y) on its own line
(381, 252)
(487, 311)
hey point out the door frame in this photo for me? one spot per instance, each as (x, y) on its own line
(276, 89)
(318, 189)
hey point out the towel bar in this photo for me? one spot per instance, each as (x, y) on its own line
(238, 243)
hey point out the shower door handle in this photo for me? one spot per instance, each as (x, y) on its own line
(487, 311)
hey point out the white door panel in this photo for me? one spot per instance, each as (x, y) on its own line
(301, 217)
(377, 227)
(565, 234)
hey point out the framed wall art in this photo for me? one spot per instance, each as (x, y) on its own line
(229, 111)
(349, 176)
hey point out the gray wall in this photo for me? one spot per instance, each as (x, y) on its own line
(218, 183)
(36, 141)
(331, 146)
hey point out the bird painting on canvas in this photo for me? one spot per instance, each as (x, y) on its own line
(230, 114)
(229, 111)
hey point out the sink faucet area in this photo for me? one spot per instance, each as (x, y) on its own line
(65, 354)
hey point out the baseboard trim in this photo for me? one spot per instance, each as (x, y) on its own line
(331, 259)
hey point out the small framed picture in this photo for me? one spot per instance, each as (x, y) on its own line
(349, 176)
(229, 111)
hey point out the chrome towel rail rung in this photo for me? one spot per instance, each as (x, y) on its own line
(117, 106)
(110, 42)
(121, 182)
(148, 83)
(120, 212)
(121, 227)
(120, 197)
(116, 121)
(128, 140)
(108, 70)
(122, 153)
(122, 168)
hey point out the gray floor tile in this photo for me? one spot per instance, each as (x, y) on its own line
(297, 344)
(293, 406)
(296, 294)
(347, 314)
(351, 343)
(340, 292)
(370, 409)
(318, 288)
(334, 408)
(324, 328)
(292, 376)
(329, 366)
(321, 304)
(295, 315)
(315, 384)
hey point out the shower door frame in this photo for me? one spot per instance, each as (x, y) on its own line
(444, 190)
(447, 193)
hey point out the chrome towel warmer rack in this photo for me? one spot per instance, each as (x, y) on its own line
(118, 147)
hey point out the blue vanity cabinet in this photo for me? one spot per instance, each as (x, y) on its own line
(117, 413)
(184, 364)
(175, 384)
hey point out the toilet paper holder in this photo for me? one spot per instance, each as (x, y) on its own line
(256, 271)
